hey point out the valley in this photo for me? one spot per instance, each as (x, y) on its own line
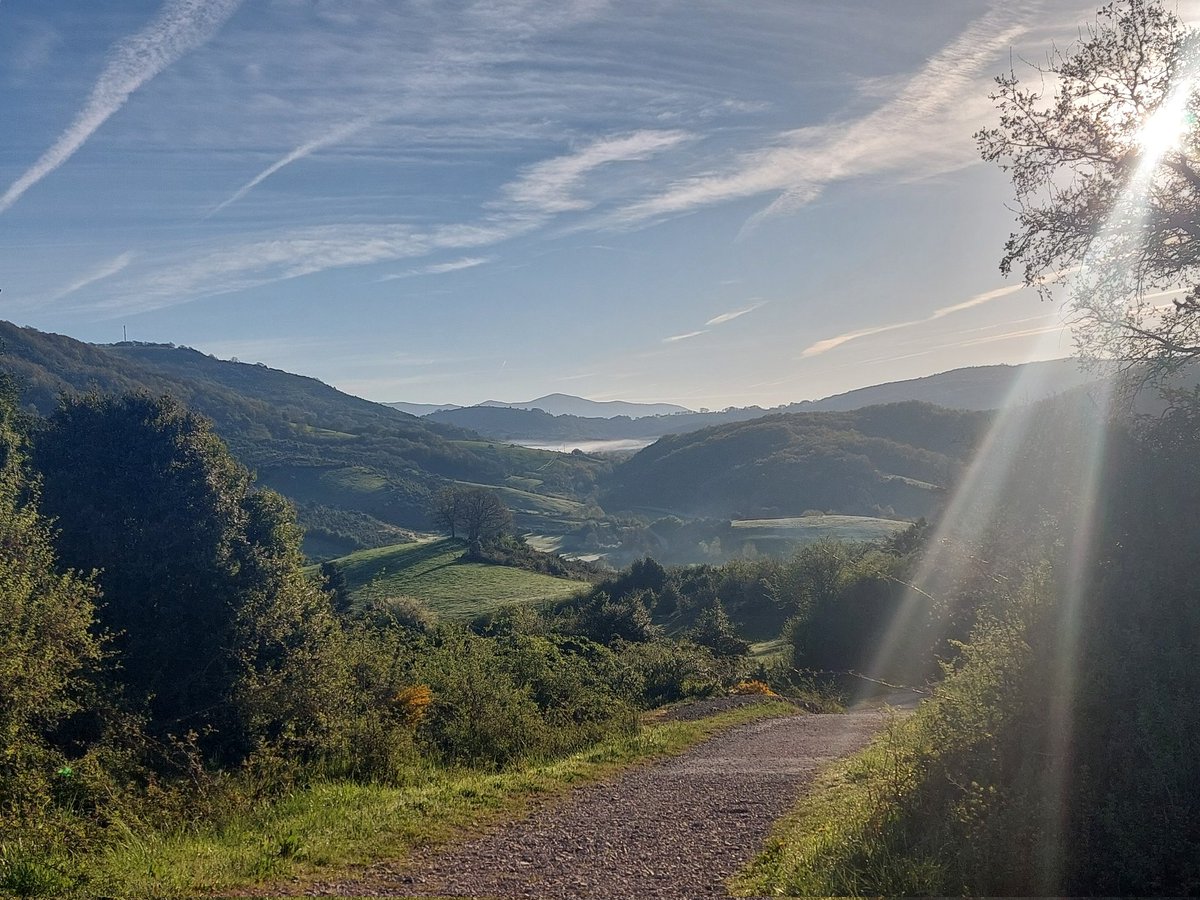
(362, 475)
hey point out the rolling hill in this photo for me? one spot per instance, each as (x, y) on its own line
(977, 388)
(890, 461)
(973, 388)
(358, 471)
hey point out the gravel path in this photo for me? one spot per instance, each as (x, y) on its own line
(678, 828)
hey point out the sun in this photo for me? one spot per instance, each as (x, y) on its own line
(1164, 130)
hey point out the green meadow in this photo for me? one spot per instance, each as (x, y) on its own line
(433, 572)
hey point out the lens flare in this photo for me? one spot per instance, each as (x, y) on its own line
(1105, 281)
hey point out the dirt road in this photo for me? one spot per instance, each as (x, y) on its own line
(678, 828)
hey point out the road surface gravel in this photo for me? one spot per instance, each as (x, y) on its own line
(676, 828)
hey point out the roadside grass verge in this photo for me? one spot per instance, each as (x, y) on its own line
(943, 802)
(829, 845)
(318, 830)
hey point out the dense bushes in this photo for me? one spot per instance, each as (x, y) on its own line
(518, 696)
(48, 647)
(198, 671)
(213, 621)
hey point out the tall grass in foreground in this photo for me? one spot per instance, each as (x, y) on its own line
(932, 806)
(328, 825)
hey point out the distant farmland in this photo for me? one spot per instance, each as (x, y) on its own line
(432, 572)
(805, 529)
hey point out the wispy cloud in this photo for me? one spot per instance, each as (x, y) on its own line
(834, 342)
(549, 187)
(180, 26)
(530, 201)
(734, 314)
(824, 346)
(335, 136)
(104, 270)
(458, 57)
(683, 337)
(454, 265)
(924, 129)
(247, 263)
(977, 300)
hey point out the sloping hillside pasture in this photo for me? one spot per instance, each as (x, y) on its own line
(455, 589)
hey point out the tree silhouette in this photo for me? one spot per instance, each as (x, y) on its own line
(1104, 156)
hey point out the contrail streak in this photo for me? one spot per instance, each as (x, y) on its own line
(336, 136)
(180, 26)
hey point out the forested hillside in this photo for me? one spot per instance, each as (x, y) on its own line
(893, 459)
(359, 471)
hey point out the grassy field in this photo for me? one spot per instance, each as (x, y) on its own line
(431, 571)
(805, 529)
(318, 830)
(527, 501)
(767, 652)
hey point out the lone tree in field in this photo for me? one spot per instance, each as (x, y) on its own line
(446, 509)
(477, 514)
(1103, 150)
(485, 517)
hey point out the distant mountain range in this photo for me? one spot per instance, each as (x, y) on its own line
(976, 389)
(421, 409)
(557, 405)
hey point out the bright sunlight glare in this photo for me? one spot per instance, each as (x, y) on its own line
(1164, 130)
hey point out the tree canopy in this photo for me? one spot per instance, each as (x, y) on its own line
(47, 645)
(475, 513)
(1101, 146)
(201, 574)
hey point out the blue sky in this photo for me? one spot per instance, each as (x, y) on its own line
(699, 201)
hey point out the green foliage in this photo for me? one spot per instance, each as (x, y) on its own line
(946, 802)
(520, 697)
(607, 620)
(714, 630)
(846, 598)
(25, 872)
(1061, 754)
(147, 493)
(513, 551)
(215, 623)
(398, 612)
(659, 672)
(48, 650)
